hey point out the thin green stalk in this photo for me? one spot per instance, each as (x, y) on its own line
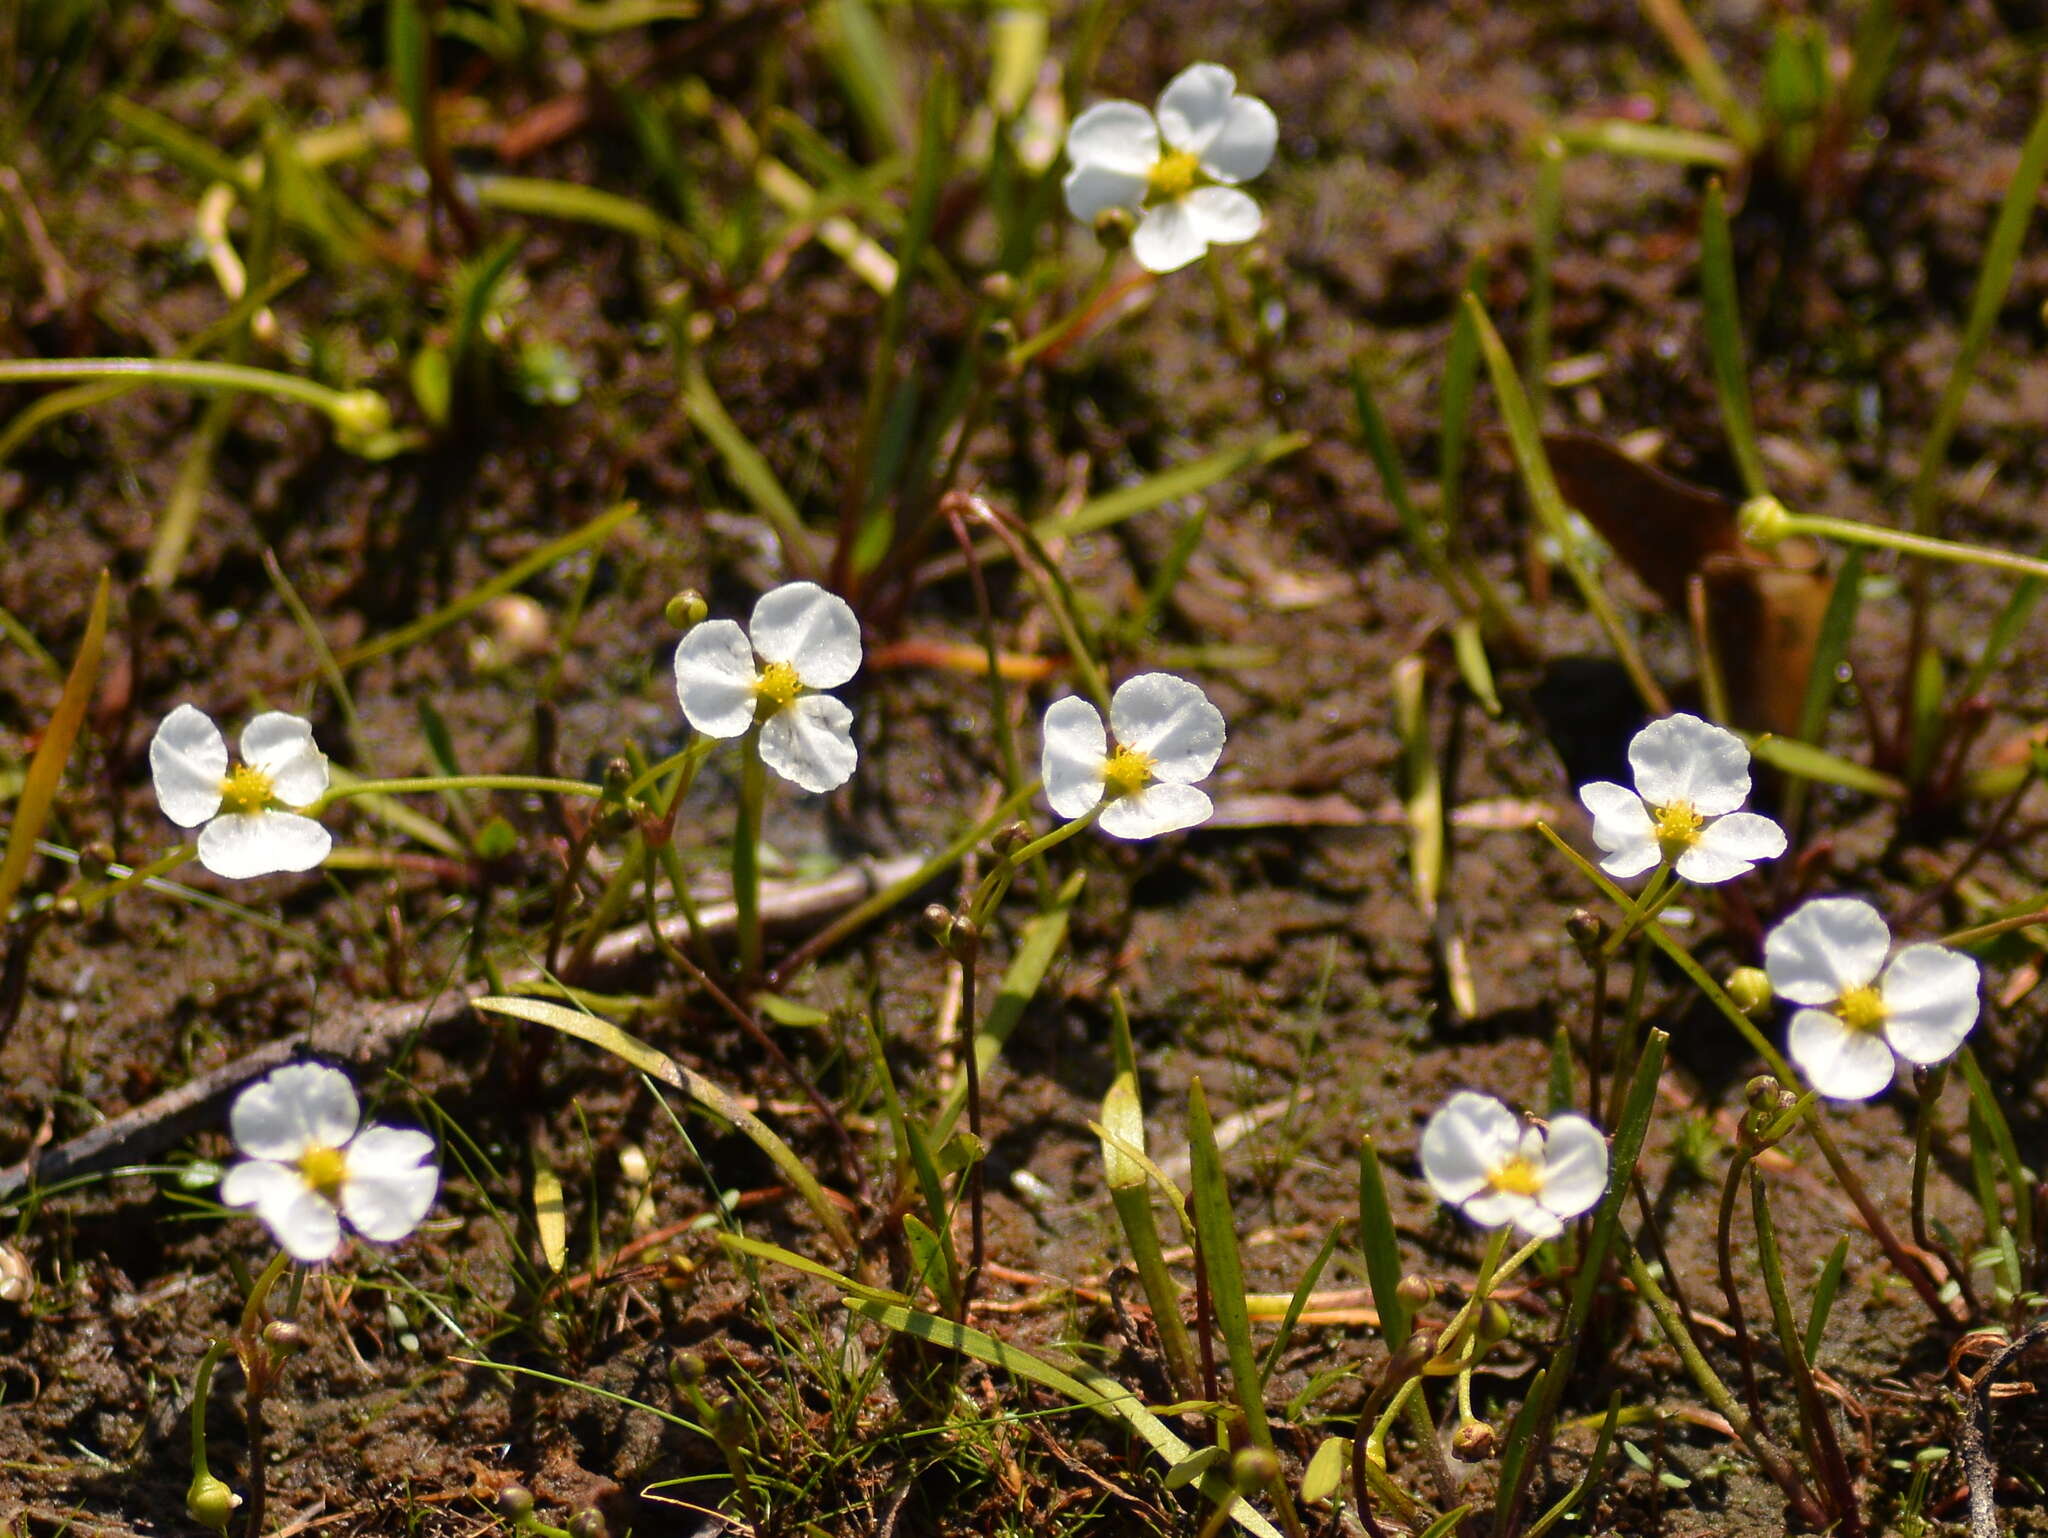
(352, 411)
(537, 784)
(1850, 531)
(1544, 217)
(1061, 329)
(1724, 340)
(746, 853)
(259, 1294)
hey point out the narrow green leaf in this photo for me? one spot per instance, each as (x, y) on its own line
(1569, 1502)
(1170, 486)
(1837, 624)
(1382, 1247)
(744, 463)
(2017, 1175)
(53, 752)
(1824, 1292)
(1651, 141)
(1724, 341)
(577, 204)
(1811, 763)
(1295, 1305)
(931, 1262)
(549, 1217)
(1326, 1471)
(1386, 458)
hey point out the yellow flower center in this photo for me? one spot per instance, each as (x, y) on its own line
(1127, 772)
(1174, 176)
(776, 687)
(1678, 829)
(1518, 1177)
(246, 789)
(324, 1169)
(1861, 1009)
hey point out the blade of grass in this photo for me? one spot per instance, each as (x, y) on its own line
(46, 768)
(1824, 1292)
(744, 463)
(1651, 141)
(1724, 340)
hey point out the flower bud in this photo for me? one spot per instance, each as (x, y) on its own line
(1011, 839)
(1416, 1291)
(1114, 228)
(1474, 1442)
(515, 1503)
(1252, 1469)
(359, 416)
(633, 1167)
(587, 1523)
(17, 1280)
(1765, 521)
(1750, 988)
(284, 1337)
(1000, 290)
(686, 609)
(209, 1502)
(1494, 1323)
(688, 1367)
(1762, 1093)
(618, 776)
(1588, 931)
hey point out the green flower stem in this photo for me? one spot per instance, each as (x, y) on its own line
(345, 408)
(989, 895)
(259, 1294)
(746, 853)
(124, 877)
(1655, 898)
(538, 784)
(1709, 1383)
(1067, 324)
(202, 1385)
(688, 760)
(1931, 1082)
(1849, 531)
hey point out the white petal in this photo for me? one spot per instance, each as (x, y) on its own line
(809, 742)
(1729, 847)
(389, 1185)
(715, 678)
(1468, 1138)
(1491, 1208)
(1621, 827)
(1930, 1002)
(812, 630)
(1075, 752)
(1171, 722)
(1827, 947)
(298, 1107)
(1195, 105)
(254, 1182)
(241, 845)
(1683, 760)
(1841, 1063)
(1167, 239)
(1118, 135)
(188, 758)
(1532, 1218)
(282, 747)
(1223, 215)
(1245, 144)
(1091, 189)
(1158, 808)
(308, 1226)
(1574, 1166)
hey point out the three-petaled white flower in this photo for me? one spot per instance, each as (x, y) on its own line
(1856, 1011)
(249, 830)
(1690, 778)
(808, 640)
(1179, 172)
(1479, 1158)
(308, 1166)
(1167, 735)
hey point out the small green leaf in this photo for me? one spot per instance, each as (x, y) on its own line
(46, 769)
(548, 1214)
(1325, 1473)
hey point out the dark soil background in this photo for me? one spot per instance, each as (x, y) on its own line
(1285, 964)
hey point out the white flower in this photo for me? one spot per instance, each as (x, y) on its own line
(809, 640)
(1828, 957)
(248, 830)
(1183, 189)
(1478, 1157)
(1168, 736)
(308, 1166)
(1690, 778)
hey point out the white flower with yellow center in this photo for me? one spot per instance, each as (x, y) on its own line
(1178, 172)
(806, 639)
(1690, 777)
(308, 1167)
(250, 829)
(1479, 1158)
(1856, 1011)
(1167, 736)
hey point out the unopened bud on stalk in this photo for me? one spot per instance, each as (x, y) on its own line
(359, 416)
(1011, 839)
(17, 1280)
(515, 1503)
(1762, 1093)
(1750, 988)
(686, 609)
(284, 1337)
(1114, 227)
(1253, 1469)
(94, 858)
(1474, 1442)
(939, 921)
(587, 1523)
(1765, 521)
(1416, 1291)
(618, 775)
(1000, 290)
(210, 1503)
(1588, 931)
(1494, 1323)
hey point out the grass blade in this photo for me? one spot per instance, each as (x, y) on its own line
(1724, 341)
(46, 769)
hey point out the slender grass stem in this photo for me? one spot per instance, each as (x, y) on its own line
(353, 411)
(534, 783)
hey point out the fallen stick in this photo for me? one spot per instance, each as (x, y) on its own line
(1976, 1454)
(366, 1037)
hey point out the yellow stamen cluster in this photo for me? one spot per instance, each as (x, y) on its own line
(1127, 772)
(246, 789)
(324, 1169)
(1678, 829)
(777, 686)
(1861, 1009)
(1517, 1176)
(1174, 176)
